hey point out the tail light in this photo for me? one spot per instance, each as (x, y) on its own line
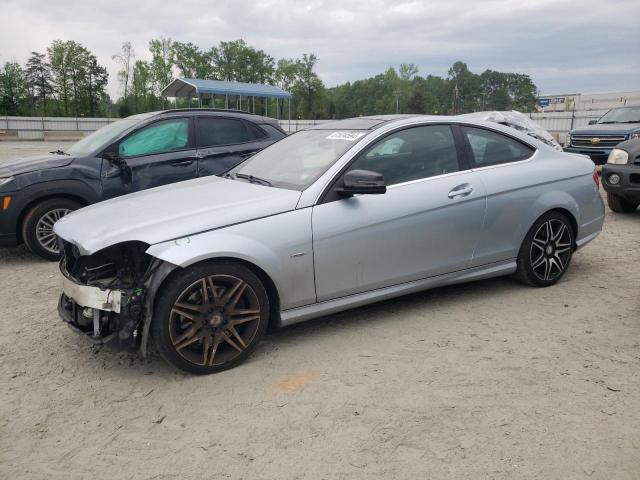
(596, 178)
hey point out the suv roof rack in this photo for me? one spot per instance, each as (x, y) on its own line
(230, 110)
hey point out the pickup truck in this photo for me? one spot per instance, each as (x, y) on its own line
(601, 136)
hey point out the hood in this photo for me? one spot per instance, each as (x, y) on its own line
(172, 211)
(31, 164)
(606, 129)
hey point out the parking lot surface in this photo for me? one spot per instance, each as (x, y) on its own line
(484, 380)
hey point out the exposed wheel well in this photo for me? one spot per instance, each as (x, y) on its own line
(38, 200)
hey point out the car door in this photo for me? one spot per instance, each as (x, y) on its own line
(426, 224)
(501, 163)
(225, 142)
(156, 154)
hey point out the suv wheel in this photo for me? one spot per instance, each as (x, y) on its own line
(210, 317)
(37, 227)
(546, 251)
(620, 205)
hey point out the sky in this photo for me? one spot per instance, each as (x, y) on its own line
(565, 46)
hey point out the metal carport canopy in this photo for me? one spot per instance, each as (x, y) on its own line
(191, 87)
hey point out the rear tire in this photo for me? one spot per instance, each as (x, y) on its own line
(37, 226)
(210, 317)
(546, 251)
(620, 205)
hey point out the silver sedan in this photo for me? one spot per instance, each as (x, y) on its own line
(341, 215)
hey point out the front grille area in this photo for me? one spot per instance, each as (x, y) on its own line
(603, 141)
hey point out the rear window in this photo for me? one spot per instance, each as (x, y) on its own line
(493, 148)
(221, 131)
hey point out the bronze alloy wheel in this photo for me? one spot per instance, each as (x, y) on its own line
(214, 319)
(210, 316)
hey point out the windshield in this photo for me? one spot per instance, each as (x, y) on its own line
(295, 162)
(622, 115)
(101, 137)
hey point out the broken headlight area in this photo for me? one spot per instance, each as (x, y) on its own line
(104, 293)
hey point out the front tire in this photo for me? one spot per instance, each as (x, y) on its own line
(210, 317)
(620, 205)
(546, 251)
(37, 227)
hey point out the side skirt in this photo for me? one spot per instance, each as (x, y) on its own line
(300, 314)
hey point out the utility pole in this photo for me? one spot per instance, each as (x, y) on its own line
(397, 94)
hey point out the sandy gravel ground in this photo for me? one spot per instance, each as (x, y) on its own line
(485, 380)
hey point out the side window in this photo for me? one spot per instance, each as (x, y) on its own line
(160, 137)
(273, 131)
(221, 131)
(411, 154)
(492, 148)
(255, 132)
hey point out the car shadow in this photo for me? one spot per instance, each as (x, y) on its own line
(390, 310)
(20, 254)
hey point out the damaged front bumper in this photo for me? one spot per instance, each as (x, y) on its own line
(102, 316)
(108, 297)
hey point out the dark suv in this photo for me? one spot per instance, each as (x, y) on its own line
(621, 177)
(598, 139)
(136, 153)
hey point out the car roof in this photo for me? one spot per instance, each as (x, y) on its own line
(221, 112)
(360, 123)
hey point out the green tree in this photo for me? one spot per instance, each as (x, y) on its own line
(142, 97)
(97, 80)
(464, 89)
(13, 89)
(161, 63)
(58, 59)
(38, 76)
(308, 85)
(191, 61)
(408, 71)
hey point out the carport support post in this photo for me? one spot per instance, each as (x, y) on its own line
(289, 111)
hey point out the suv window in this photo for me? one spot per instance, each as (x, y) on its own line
(276, 133)
(160, 137)
(492, 148)
(255, 132)
(214, 131)
(411, 154)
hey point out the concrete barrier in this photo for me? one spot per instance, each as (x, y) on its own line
(56, 128)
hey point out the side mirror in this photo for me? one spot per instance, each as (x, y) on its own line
(119, 162)
(363, 182)
(110, 156)
(593, 122)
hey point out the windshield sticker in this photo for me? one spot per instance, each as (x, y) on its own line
(349, 136)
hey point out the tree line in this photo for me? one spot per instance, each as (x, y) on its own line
(67, 80)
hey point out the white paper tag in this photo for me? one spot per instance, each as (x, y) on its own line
(349, 136)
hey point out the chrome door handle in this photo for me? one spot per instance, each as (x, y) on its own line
(461, 191)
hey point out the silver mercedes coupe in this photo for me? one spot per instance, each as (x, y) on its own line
(341, 215)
